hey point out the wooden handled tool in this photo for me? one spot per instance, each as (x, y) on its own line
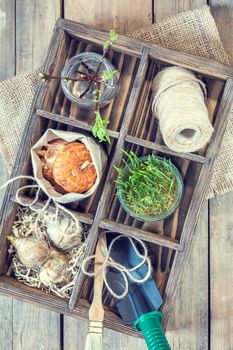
(96, 311)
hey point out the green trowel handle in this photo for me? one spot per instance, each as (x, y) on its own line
(150, 326)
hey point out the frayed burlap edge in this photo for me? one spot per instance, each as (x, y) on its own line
(193, 32)
(16, 97)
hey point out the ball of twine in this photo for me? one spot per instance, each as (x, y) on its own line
(179, 103)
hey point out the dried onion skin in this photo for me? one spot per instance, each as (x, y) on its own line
(64, 233)
(32, 252)
(55, 270)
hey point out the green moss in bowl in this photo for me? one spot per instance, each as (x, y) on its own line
(149, 188)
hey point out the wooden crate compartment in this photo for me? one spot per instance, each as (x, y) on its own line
(172, 226)
(144, 127)
(56, 102)
(88, 205)
(131, 126)
(161, 258)
(5, 266)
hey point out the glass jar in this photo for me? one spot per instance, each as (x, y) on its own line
(169, 211)
(74, 89)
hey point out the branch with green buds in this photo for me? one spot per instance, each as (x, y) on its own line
(68, 80)
(100, 127)
(113, 36)
(92, 76)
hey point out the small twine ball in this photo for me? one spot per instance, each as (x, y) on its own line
(179, 103)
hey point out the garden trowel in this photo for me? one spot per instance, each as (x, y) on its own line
(140, 306)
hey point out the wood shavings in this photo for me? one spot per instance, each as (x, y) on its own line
(24, 226)
(27, 225)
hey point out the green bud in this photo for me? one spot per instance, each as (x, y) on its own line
(113, 35)
(107, 44)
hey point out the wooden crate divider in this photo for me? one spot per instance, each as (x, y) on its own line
(164, 149)
(141, 234)
(76, 123)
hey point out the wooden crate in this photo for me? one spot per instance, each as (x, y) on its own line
(133, 127)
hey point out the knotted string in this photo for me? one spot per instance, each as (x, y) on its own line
(126, 273)
(33, 202)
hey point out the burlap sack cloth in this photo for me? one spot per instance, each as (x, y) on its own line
(193, 32)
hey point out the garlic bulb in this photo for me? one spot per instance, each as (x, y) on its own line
(55, 269)
(32, 252)
(63, 232)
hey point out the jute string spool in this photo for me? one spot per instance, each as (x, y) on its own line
(179, 103)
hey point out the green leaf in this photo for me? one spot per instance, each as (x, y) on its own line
(99, 129)
(113, 35)
(107, 44)
(108, 75)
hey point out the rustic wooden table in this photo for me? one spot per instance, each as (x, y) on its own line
(203, 310)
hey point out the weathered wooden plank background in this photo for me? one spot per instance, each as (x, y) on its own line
(203, 316)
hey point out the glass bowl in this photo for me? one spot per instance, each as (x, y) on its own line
(161, 216)
(75, 89)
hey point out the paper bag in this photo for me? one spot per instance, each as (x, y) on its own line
(98, 156)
